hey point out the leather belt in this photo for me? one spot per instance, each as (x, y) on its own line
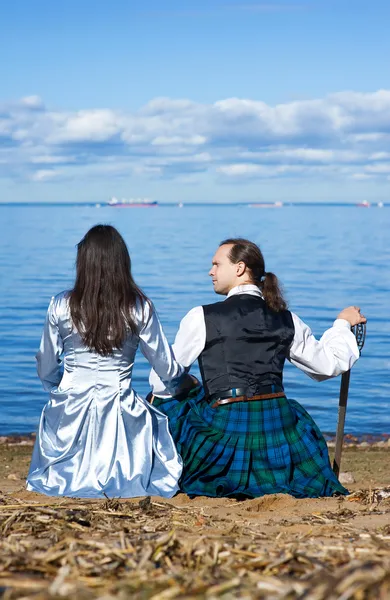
(239, 395)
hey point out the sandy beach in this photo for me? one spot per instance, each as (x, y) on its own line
(271, 547)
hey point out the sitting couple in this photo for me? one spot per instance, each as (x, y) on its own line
(236, 435)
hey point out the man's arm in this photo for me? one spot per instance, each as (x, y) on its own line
(333, 354)
(189, 343)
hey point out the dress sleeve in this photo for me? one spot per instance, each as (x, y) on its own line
(335, 353)
(189, 343)
(49, 356)
(155, 348)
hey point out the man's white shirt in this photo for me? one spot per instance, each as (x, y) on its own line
(333, 354)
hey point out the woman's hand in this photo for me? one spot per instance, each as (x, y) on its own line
(353, 315)
(149, 398)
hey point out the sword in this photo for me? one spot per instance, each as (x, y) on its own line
(360, 334)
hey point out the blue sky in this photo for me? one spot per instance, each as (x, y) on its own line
(216, 100)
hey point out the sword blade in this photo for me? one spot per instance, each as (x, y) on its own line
(344, 387)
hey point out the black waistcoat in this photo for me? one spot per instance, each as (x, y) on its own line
(246, 345)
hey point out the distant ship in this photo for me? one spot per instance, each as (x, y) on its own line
(265, 205)
(132, 203)
(364, 204)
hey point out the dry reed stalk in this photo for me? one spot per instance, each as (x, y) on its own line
(114, 550)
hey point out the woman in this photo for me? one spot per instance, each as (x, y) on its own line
(240, 436)
(96, 436)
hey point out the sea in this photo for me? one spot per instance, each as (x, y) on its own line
(327, 258)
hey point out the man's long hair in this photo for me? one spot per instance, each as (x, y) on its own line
(249, 253)
(104, 295)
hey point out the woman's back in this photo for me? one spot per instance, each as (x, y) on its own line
(89, 370)
(96, 435)
(77, 356)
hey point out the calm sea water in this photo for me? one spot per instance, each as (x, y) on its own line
(326, 257)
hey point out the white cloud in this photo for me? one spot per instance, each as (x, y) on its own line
(369, 137)
(87, 126)
(309, 154)
(379, 168)
(238, 170)
(344, 135)
(361, 176)
(194, 140)
(32, 102)
(303, 155)
(252, 170)
(380, 156)
(44, 175)
(147, 170)
(51, 159)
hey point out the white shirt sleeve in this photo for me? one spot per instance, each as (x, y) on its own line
(189, 343)
(335, 353)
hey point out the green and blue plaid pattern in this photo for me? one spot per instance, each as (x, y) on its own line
(248, 449)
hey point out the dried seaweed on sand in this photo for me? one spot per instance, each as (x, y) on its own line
(162, 550)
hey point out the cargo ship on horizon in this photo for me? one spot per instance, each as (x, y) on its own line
(132, 202)
(265, 204)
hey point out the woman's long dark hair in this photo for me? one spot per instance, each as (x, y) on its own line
(247, 252)
(104, 296)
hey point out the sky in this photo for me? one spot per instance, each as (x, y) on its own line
(184, 101)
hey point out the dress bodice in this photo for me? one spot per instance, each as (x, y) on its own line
(64, 361)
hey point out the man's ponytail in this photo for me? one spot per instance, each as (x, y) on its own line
(272, 294)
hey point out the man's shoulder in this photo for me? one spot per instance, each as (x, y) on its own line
(227, 305)
(213, 307)
(237, 299)
(252, 303)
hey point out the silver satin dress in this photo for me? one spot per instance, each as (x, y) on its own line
(96, 435)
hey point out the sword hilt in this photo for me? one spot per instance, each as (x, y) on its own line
(359, 332)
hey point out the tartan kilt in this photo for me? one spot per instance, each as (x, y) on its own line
(248, 449)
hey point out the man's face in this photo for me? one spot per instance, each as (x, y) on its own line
(223, 272)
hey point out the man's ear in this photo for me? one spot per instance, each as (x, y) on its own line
(240, 268)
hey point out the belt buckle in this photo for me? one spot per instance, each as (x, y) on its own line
(230, 394)
(230, 400)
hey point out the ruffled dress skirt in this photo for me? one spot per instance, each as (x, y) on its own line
(249, 449)
(90, 448)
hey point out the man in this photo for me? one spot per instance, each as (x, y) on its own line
(240, 436)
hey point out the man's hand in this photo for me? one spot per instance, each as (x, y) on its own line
(353, 315)
(189, 382)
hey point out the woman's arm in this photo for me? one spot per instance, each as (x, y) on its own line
(189, 343)
(335, 353)
(48, 358)
(154, 346)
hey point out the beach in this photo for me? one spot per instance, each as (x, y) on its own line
(270, 547)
